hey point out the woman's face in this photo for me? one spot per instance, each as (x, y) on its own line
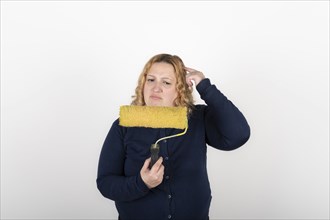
(160, 86)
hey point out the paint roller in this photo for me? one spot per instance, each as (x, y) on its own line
(154, 117)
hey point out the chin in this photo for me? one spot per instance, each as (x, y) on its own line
(155, 104)
(158, 103)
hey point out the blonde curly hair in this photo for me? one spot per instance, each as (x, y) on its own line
(184, 98)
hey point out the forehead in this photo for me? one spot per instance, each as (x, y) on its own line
(162, 69)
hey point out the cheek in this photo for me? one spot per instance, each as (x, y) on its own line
(146, 92)
(174, 94)
(146, 89)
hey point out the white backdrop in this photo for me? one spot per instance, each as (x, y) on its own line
(66, 67)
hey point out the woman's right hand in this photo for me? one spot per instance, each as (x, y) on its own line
(154, 176)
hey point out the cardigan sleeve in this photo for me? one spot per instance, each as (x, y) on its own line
(225, 126)
(111, 179)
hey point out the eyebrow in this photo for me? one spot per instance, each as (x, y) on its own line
(161, 77)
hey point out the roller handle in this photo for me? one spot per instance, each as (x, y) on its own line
(154, 150)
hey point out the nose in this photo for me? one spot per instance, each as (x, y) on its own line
(157, 87)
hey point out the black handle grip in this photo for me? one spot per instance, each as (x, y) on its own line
(154, 150)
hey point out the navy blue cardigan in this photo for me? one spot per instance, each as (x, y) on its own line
(185, 191)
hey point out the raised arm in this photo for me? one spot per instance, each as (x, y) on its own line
(225, 125)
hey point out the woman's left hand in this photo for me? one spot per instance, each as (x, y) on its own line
(193, 75)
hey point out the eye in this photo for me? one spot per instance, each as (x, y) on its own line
(167, 83)
(150, 80)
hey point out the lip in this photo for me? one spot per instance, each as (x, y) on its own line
(155, 97)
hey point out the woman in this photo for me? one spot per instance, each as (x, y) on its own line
(177, 185)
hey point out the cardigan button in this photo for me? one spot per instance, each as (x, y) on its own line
(169, 216)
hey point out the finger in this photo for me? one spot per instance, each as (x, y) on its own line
(161, 171)
(190, 69)
(157, 165)
(146, 164)
(189, 82)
